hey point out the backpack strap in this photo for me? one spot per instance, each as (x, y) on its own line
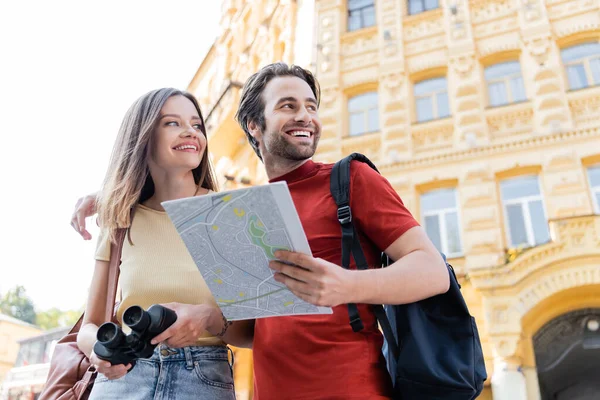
(340, 191)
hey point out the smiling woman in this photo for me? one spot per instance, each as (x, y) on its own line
(160, 154)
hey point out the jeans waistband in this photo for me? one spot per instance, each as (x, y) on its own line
(189, 354)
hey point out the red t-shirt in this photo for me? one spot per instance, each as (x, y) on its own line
(319, 356)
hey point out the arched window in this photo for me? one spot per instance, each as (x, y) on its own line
(582, 63)
(363, 111)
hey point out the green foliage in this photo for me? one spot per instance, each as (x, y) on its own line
(54, 318)
(17, 304)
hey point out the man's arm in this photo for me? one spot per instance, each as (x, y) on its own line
(418, 273)
(85, 207)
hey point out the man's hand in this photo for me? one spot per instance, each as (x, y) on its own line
(314, 280)
(85, 207)
(192, 321)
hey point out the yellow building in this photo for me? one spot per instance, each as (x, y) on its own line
(11, 331)
(485, 117)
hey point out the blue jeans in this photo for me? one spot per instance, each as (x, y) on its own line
(200, 372)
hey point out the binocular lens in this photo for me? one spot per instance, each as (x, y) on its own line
(109, 334)
(136, 318)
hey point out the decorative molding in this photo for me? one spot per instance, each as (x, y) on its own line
(573, 238)
(506, 346)
(432, 135)
(510, 120)
(495, 148)
(486, 11)
(463, 64)
(369, 144)
(539, 46)
(553, 283)
(585, 110)
(569, 9)
(420, 64)
(423, 25)
(560, 160)
(492, 47)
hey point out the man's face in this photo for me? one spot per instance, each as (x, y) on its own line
(292, 123)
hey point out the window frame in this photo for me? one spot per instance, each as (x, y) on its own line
(423, 2)
(365, 113)
(524, 202)
(594, 190)
(589, 76)
(360, 11)
(441, 213)
(433, 96)
(506, 80)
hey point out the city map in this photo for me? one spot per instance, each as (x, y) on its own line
(232, 236)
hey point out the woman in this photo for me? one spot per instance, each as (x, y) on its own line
(160, 154)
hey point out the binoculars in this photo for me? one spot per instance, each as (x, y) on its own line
(114, 346)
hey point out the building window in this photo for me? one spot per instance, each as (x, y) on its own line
(524, 212)
(505, 83)
(361, 14)
(594, 176)
(439, 213)
(431, 98)
(582, 63)
(364, 114)
(419, 6)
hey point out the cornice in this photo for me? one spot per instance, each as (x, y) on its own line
(573, 238)
(492, 149)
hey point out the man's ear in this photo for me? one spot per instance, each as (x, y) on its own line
(254, 130)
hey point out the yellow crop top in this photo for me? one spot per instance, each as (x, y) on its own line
(157, 268)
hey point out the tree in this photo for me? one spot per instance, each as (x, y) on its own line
(53, 318)
(17, 304)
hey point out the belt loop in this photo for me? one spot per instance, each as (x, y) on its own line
(189, 361)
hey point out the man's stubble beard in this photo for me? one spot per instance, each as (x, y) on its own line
(276, 144)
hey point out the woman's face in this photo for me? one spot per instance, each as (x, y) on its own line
(179, 143)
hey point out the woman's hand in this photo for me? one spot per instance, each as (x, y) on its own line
(110, 371)
(192, 321)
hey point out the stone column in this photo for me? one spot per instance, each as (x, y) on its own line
(508, 380)
(533, 385)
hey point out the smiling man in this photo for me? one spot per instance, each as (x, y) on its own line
(319, 356)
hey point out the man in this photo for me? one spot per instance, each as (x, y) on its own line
(319, 356)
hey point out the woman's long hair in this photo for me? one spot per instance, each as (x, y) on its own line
(128, 181)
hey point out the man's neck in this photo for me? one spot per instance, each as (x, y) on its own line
(277, 167)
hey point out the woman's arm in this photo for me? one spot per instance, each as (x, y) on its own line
(195, 319)
(95, 308)
(93, 318)
(236, 333)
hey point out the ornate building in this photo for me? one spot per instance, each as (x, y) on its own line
(253, 33)
(484, 116)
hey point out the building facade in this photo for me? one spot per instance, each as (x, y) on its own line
(27, 377)
(11, 331)
(485, 117)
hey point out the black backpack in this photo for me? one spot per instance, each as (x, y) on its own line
(432, 346)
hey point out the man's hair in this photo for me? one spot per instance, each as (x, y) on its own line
(252, 105)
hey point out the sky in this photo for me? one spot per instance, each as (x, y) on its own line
(68, 72)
